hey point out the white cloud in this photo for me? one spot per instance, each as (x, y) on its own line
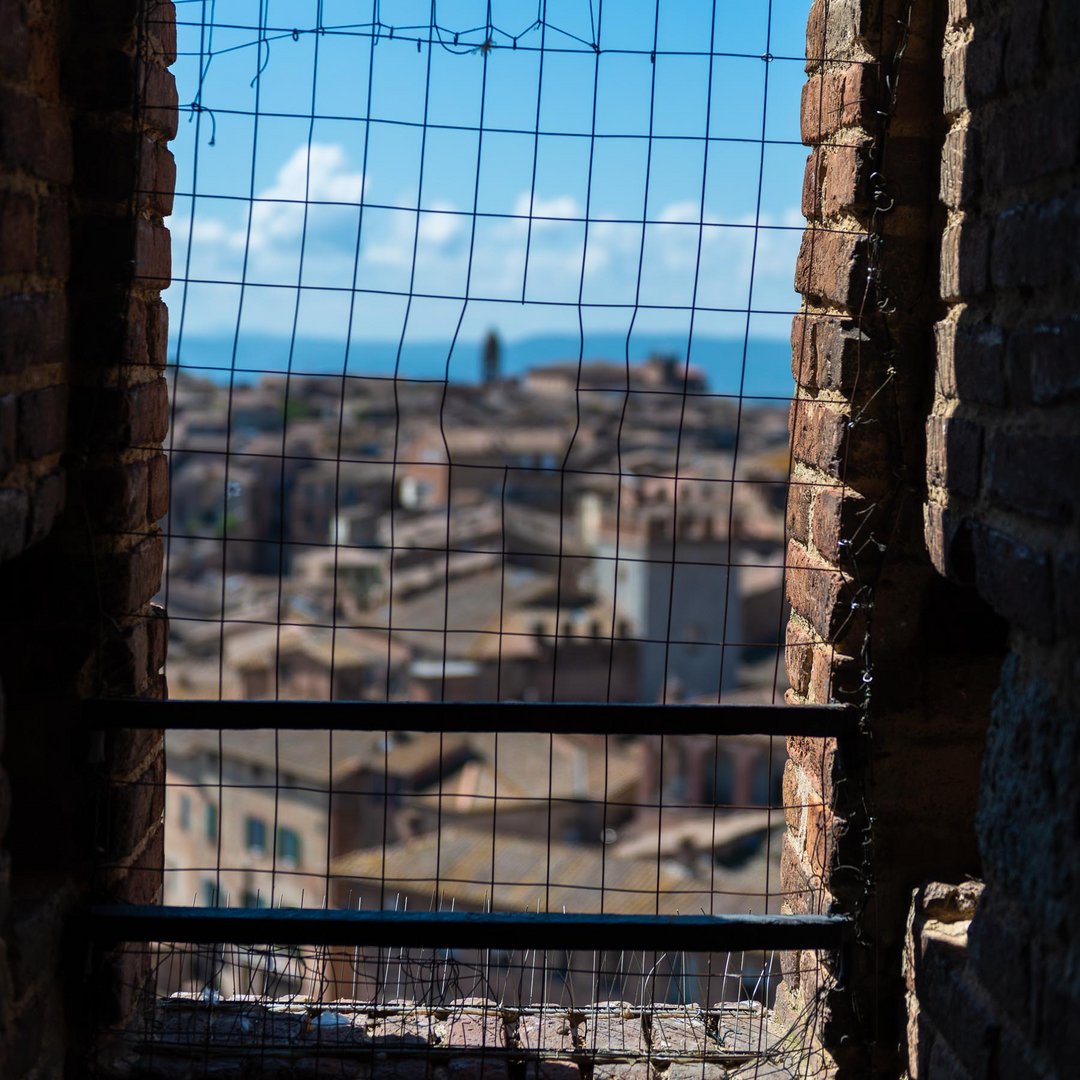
(319, 176)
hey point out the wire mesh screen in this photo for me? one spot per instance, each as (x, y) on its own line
(480, 380)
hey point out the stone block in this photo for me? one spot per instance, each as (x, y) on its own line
(611, 1032)
(550, 1031)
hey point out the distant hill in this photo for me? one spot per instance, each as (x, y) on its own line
(767, 373)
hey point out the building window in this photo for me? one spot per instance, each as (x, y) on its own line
(211, 823)
(209, 892)
(255, 834)
(288, 846)
(184, 815)
(253, 899)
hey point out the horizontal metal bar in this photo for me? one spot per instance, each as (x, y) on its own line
(456, 716)
(116, 923)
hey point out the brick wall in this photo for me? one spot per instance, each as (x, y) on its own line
(1001, 515)
(873, 624)
(82, 482)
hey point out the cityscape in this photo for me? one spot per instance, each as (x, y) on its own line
(582, 532)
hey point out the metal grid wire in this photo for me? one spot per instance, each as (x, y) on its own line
(480, 388)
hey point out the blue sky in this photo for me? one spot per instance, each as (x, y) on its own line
(302, 269)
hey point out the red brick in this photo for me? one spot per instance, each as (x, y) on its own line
(34, 137)
(1025, 470)
(818, 434)
(1015, 579)
(831, 352)
(800, 497)
(9, 410)
(1034, 246)
(42, 422)
(836, 179)
(18, 233)
(160, 100)
(971, 361)
(129, 579)
(157, 175)
(153, 255)
(46, 503)
(965, 259)
(799, 656)
(134, 809)
(133, 416)
(161, 29)
(1041, 362)
(959, 180)
(32, 330)
(817, 591)
(116, 496)
(14, 519)
(157, 505)
(837, 99)
(157, 333)
(954, 454)
(54, 237)
(14, 41)
(831, 267)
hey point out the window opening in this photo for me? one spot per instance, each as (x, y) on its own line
(480, 381)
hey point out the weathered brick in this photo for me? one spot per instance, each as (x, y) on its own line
(32, 330)
(836, 179)
(837, 99)
(42, 426)
(135, 808)
(1042, 362)
(54, 236)
(959, 180)
(1015, 579)
(1025, 470)
(818, 434)
(157, 332)
(127, 416)
(831, 267)
(9, 411)
(46, 503)
(18, 233)
(160, 100)
(965, 259)
(799, 656)
(14, 42)
(1027, 141)
(35, 136)
(840, 518)
(817, 591)
(14, 521)
(116, 496)
(1033, 246)
(800, 498)
(128, 579)
(831, 352)
(954, 454)
(157, 504)
(971, 361)
(153, 255)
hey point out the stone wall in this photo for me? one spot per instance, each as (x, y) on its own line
(82, 483)
(1002, 515)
